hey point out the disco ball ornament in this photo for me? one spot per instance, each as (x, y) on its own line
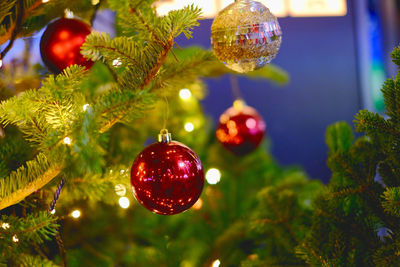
(245, 36)
(60, 45)
(167, 177)
(241, 129)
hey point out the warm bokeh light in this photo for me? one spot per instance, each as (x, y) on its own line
(280, 8)
(120, 190)
(15, 239)
(189, 127)
(1, 63)
(277, 7)
(95, 2)
(317, 8)
(5, 226)
(45, 1)
(124, 202)
(213, 176)
(67, 141)
(76, 214)
(85, 107)
(53, 211)
(69, 14)
(117, 62)
(198, 204)
(216, 263)
(185, 94)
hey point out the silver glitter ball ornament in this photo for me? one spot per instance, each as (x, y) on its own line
(245, 36)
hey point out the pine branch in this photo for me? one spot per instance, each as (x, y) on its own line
(373, 123)
(391, 201)
(27, 260)
(34, 228)
(99, 46)
(26, 180)
(14, 27)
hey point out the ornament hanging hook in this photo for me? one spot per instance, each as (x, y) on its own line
(164, 136)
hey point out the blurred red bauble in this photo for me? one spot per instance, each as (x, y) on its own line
(167, 177)
(61, 43)
(241, 129)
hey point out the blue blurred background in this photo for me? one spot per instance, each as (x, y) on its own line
(336, 66)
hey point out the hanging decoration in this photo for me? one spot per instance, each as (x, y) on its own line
(61, 43)
(167, 177)
(245, 36)
(241, 129)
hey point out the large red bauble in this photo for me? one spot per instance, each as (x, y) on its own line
(61, 43)
(241, 129)
(167, 178)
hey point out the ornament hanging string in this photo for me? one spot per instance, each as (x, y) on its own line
(166, 113)
(237, 95)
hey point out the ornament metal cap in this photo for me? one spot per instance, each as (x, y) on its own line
(239, 104)
(164, 136)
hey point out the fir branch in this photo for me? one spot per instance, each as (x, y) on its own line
(373, 123)
(14, 28)
(27, 260)
(34, 228)
(391, 201)
(348, 191)
(134, 10)
(182, 21)
(149, 76)
(396, 56)
(18, 23)
(99, 46)
(26, 180)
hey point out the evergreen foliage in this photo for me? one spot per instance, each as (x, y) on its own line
(88, 126)
(356, 221)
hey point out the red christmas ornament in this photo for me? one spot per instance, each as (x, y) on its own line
(167, 177)
(241, 129)
(61, 43)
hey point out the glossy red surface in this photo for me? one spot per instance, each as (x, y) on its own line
(167, 178)
(241, 130)
(61, 43)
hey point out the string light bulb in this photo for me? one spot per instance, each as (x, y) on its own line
(117, 62)
(216, 263)
(120, 190)
(189, 127)
(124, 202)
(53, 211)
(5, 226)
(15, 239)
(67, 141)
(1, 63)
(185, 94)
(45, 1)
(85, 107)
(213, 176)
(76, 214)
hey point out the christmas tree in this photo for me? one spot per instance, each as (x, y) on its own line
(356, 220)
(68, 142)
